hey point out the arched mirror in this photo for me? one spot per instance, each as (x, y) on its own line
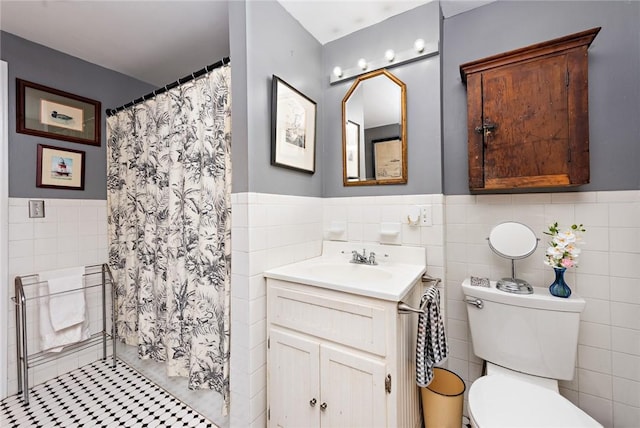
(514, 241)
(374, 130)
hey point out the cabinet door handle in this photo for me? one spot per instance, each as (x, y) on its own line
(323, 406)
(313, 402)
(486, 128)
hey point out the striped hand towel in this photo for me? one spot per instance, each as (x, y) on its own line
(431, 343)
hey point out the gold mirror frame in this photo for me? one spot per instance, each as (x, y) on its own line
(402, 178)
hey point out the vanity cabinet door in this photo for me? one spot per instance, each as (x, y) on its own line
(314, 384)
(293, 380)
(353, 389)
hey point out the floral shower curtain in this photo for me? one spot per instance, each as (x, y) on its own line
(168, 197)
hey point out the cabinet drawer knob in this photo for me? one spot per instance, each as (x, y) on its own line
(313, 402)
(323, 406)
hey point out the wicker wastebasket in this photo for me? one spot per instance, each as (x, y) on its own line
(443, 399)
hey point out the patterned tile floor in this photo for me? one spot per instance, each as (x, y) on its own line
(207, 402)
(99, 396)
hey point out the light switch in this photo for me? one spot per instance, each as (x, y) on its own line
(36, 209)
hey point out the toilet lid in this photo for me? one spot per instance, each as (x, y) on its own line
(500, 401)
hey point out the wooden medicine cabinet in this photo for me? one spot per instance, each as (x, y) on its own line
(528, 116)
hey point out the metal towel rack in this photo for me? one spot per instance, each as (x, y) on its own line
(26, 361)
(404, 308)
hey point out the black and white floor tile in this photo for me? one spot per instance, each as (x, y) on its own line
(98, 395)
(207, 402)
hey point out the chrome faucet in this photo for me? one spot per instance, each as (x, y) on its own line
(362, 259)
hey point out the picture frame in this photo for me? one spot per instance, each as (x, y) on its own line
(59, 168)
(47, 112)
(387, 158)
(293, 128)
(352, 150)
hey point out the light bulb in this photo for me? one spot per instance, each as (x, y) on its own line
(362, 63)
(389, 55)
(337, 71)
(418, 45)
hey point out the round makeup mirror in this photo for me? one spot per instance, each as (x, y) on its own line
(514, 241)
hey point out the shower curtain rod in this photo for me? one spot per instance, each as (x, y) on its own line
(224, 61)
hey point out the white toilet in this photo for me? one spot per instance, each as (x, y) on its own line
(529, 342)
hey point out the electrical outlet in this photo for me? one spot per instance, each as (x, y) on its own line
(425, 215)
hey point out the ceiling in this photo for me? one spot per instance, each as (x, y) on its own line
(154, 41)
(160, 41)
(329, 20)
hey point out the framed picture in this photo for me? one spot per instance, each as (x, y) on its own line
(50, 113)
(387, 158)
(293, 128)
(59, 168)
(352, 150)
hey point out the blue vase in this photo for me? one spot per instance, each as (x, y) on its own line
(559, 288)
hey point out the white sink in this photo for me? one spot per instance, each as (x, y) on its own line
(398, 269)
(342, 271)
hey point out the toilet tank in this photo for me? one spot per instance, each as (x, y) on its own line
(534, 333)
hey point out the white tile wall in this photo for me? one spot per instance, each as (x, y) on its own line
(267, 231)
(273, 230)
(607, 382)
(364, 216)
(72, 233)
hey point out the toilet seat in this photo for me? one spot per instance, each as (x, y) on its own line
(500, 401)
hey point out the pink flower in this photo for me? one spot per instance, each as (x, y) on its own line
(567, 263)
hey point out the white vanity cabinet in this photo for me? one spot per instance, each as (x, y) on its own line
(306, 375)
(337, 359)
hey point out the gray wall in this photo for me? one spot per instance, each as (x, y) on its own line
(423, 100)
(265, 40)
(614, 87)
(39, 64)
(239, 99)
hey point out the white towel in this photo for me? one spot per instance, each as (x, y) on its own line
(51, 340)
(65, 309)
(431, 343)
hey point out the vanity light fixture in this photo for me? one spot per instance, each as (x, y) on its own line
(391, 58)
(389, 55)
